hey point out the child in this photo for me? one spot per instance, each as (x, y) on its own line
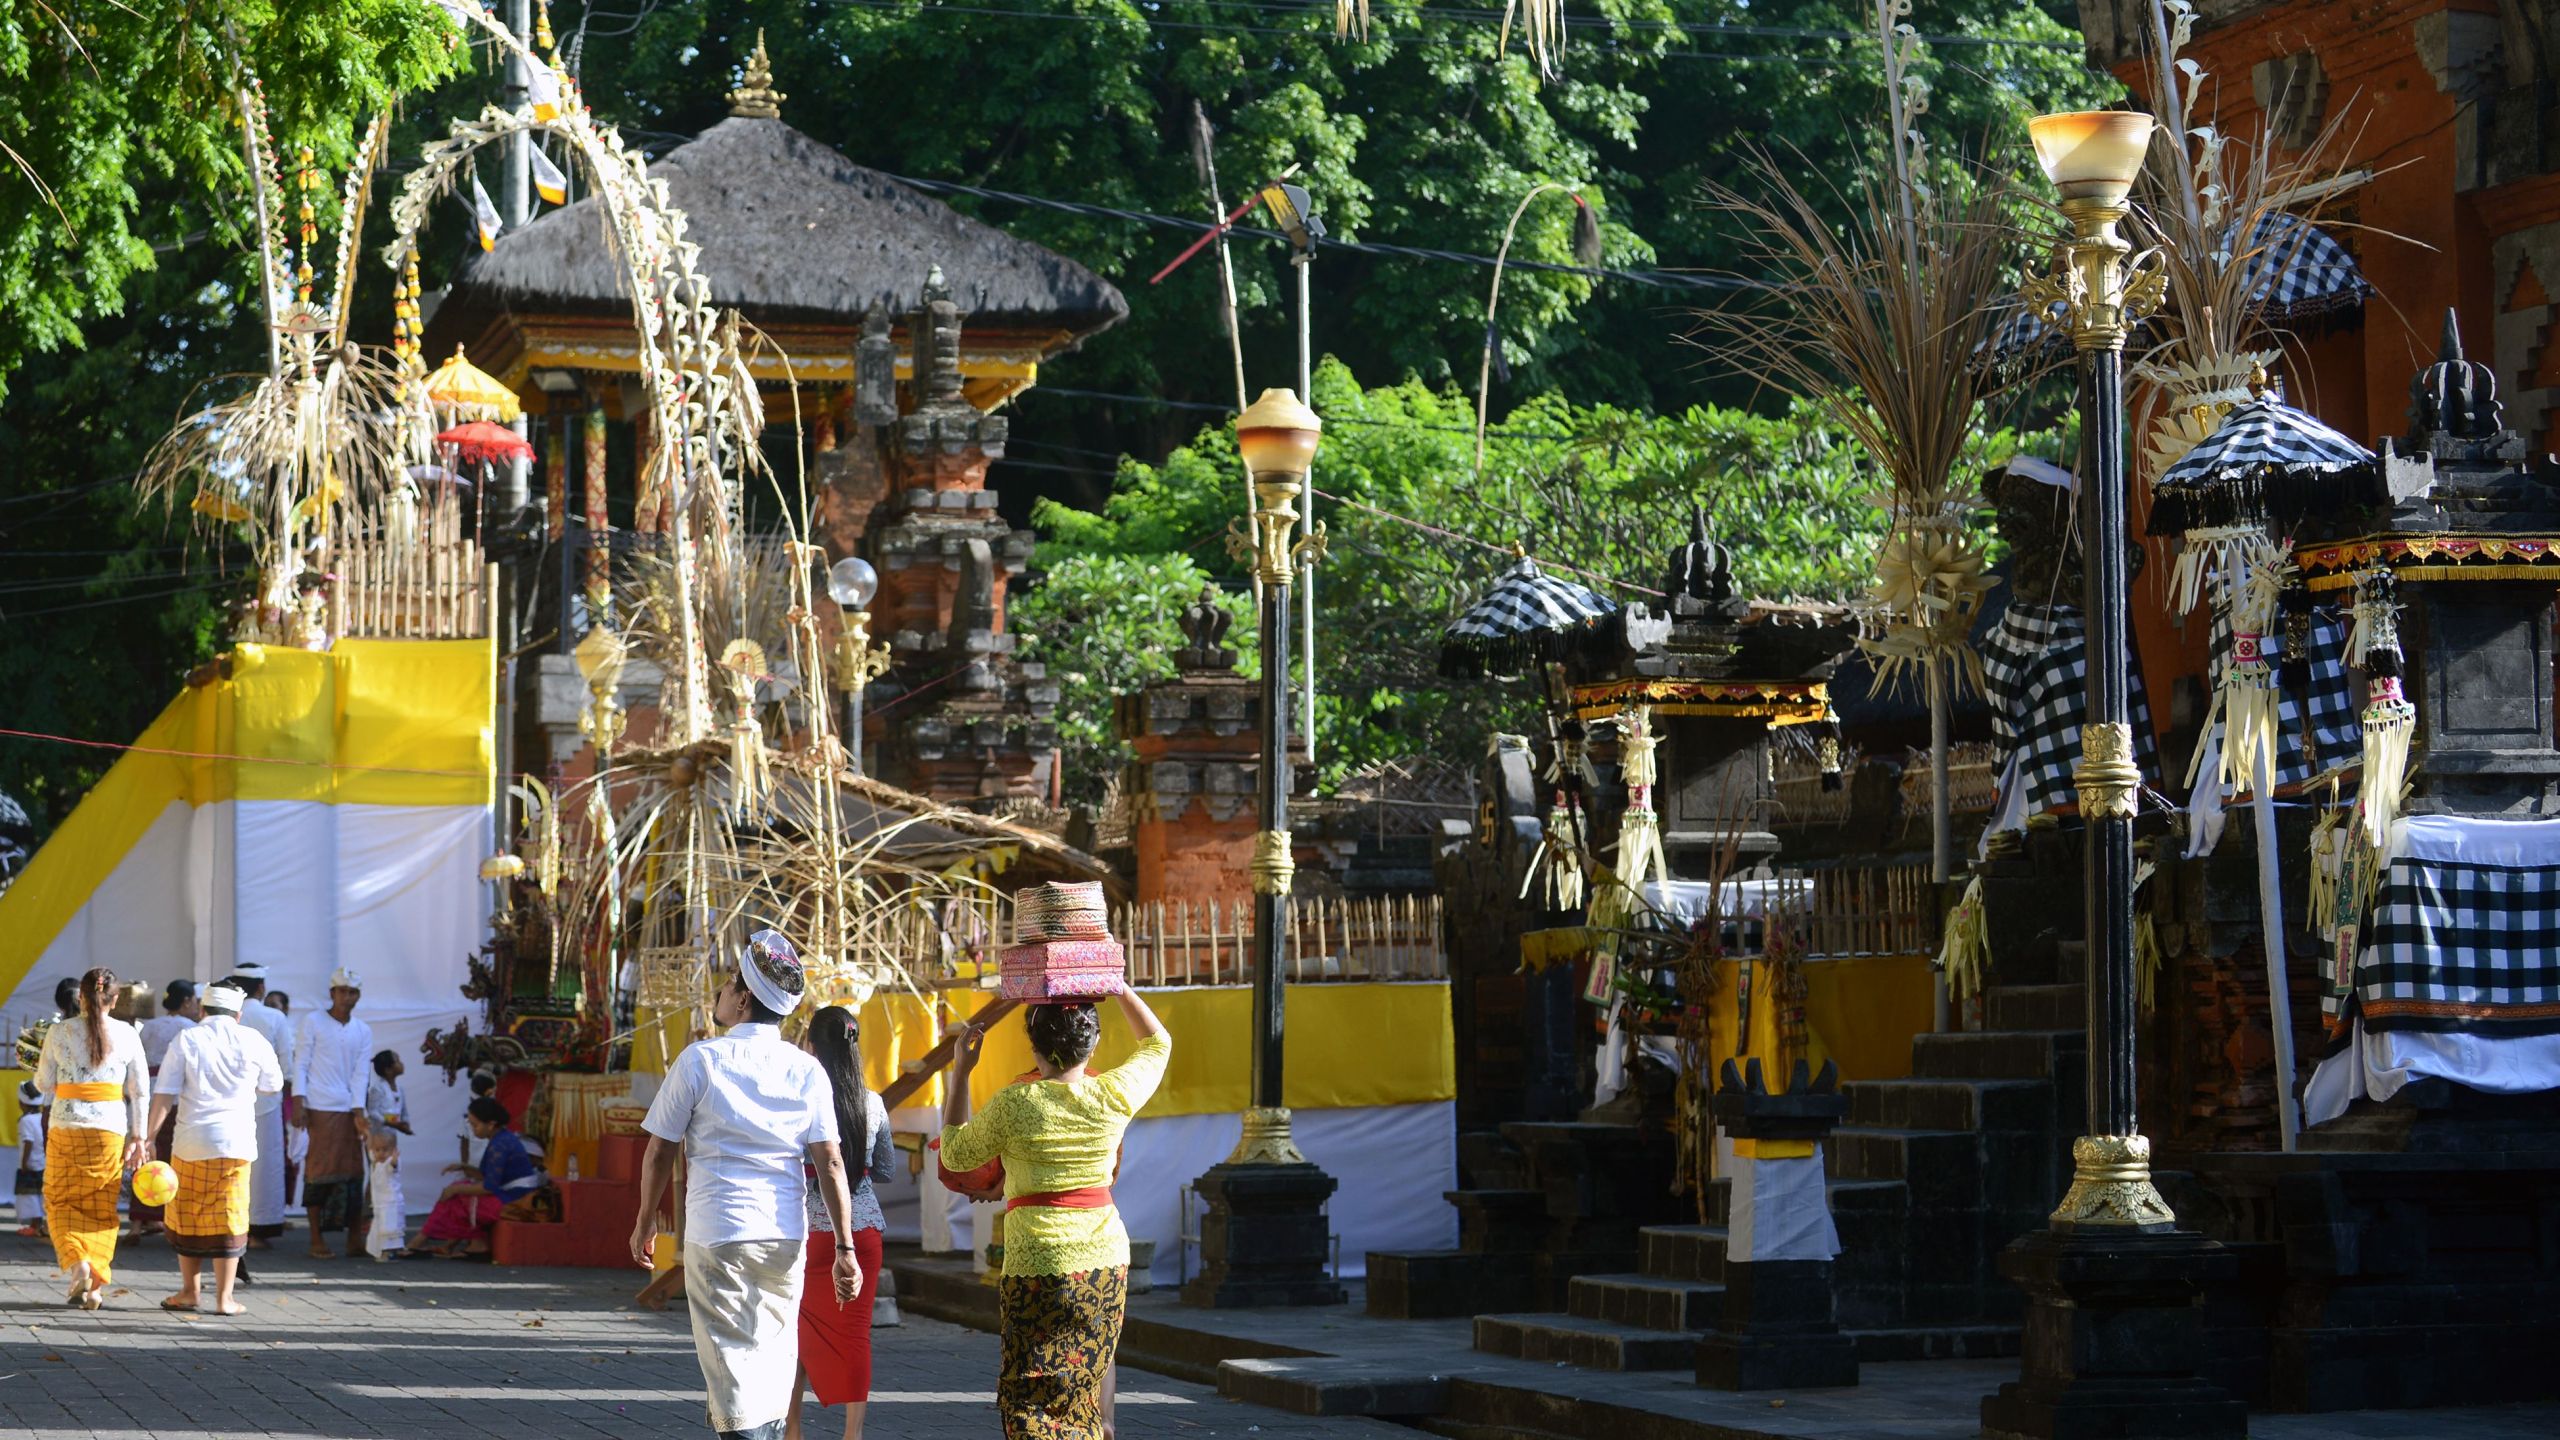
(386, 1119)
(31, 1122)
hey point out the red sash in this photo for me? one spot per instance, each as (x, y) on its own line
(1091, 1197)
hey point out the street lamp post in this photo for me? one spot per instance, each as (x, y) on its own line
(851, 582)
(1264, 1240)
(2114, 1287)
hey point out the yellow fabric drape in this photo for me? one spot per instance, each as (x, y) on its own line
(577, 1120)
(353, 725)
(1860, 1013)
(1384, 1043)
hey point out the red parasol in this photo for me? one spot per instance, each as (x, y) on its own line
(483, 440)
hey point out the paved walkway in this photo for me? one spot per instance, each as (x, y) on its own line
(427, 1350)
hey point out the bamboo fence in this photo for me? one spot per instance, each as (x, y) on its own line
(435, 586)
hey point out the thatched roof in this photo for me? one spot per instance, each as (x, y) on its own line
(791, 231)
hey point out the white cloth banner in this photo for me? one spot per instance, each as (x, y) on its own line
(1780, 1211)
(1394, 1164)
(394, 892)
(2376, 1064)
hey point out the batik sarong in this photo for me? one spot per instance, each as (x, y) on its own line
(209, 1219)
(83, 1175)
(744, 1298)
(1061, 1334)
(333, 1174)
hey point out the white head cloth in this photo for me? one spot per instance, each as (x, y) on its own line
(345, 979)
(772, 971)
(222, 998)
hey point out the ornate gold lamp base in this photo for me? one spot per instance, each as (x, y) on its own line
(1265, 1140)
(2111, 1188)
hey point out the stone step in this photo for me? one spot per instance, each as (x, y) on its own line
(1694, 1253)
(2035, 1007)
(1488, 1161)
(1951, 1104)
(1995, 1054)
(1447, 1284)
(1500, 1222)
(1937, 1342)
(1859, 1153)
(1645, 1302)
(1591, 1344)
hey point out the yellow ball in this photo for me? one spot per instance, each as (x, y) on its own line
(155, 1183)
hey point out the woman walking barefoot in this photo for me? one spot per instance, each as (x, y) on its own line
(835, 1339)
(93, 1072)
(1066, 1256)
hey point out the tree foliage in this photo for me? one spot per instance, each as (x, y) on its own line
(1416, 533)
(122, 132)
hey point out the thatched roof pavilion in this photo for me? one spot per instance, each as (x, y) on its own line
(802, 241)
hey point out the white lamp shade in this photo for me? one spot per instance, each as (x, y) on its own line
(2092, 154)
(851, 582)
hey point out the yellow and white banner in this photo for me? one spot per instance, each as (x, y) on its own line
(316, 810)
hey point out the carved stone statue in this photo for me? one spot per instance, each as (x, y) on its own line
(875, 371)
(2454, 396)
(1205, 623)
(1701, 570)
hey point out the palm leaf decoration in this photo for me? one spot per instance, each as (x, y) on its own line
(1878, 320)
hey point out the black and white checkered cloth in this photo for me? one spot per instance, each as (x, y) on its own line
(2318, 728)
(2465, 929)
(2265, 435)
(2297, 270)
(2035, 674)
(2294, 271)
(1522, 620)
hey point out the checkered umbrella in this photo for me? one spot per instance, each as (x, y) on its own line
(2268, 462)
(2294, 271)
(1523, 621)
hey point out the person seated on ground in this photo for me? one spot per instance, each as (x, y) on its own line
(468, 1209)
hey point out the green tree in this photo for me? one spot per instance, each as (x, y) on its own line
(1416, 533)
(120, 134)
(1106, 624)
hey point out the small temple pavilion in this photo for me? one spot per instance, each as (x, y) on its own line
(905, 325)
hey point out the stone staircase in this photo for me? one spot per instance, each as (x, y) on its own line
(1545, 1203)
(1650, 1319)
(1572, 1249)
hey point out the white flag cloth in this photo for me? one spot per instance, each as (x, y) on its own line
(485, 215)
(547, 179)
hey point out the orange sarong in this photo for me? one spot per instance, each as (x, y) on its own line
(209, 1218)
(83, 1173)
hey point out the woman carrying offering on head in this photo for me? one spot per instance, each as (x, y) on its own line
(94, 1073)
(835, 1339)
(468, 1209)
(1066, 1256)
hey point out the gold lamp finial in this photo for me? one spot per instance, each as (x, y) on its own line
(2259, 381)
(757, 99)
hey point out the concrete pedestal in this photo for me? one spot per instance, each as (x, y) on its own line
(1778, 1331)
(1263, 1240)
(2113, 1339)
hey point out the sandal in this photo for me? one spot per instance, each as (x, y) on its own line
(175, 1306)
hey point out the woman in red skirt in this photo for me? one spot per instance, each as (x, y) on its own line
(835, 1340)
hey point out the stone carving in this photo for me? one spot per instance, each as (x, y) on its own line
(1205, 623)
(1702, 570)
(875, 371)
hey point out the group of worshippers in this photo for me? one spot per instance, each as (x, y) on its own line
(781, 1239)
(205, 1086)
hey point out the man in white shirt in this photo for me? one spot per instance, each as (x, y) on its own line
(179, 1012)
(332, 1063)
(746, 1108)
(266, 1175)
(209, 1084)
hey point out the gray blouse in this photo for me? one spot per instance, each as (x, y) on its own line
(866, 1205)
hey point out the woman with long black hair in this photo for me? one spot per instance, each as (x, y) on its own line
(94, 1075)
(1066, 1255)
(835, 1338)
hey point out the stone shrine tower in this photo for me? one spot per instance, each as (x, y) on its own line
(1197, 739)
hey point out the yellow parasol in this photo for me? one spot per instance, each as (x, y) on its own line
(471, 393)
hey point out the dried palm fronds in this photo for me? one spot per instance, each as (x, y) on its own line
(2213, 204)
(1541, 24)
(1879, 322)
